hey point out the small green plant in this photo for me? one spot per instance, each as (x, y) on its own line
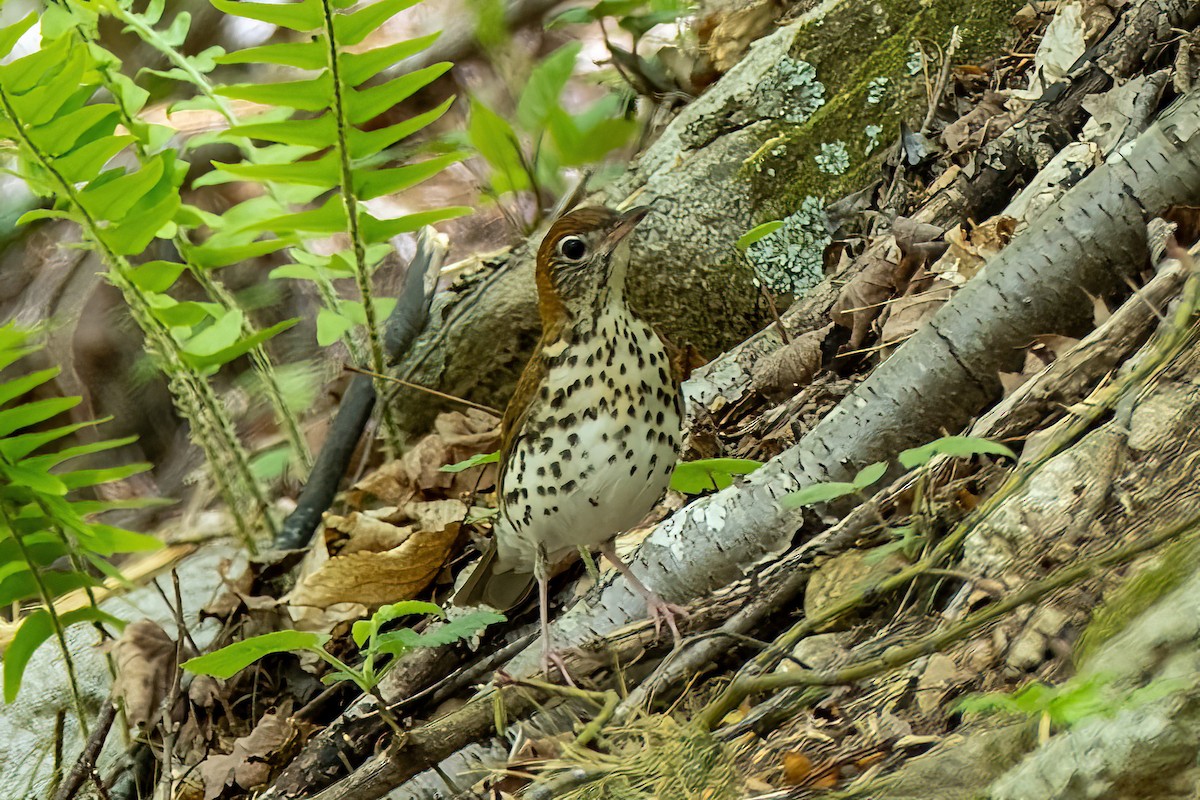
(476, 460)
(953, 446)
(710, 474)
(368, 634)
(758, 232)
(50, 544)
(1069, 703)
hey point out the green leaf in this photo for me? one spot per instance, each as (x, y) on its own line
(955, 447)
(15, 448)
(497, 142)
(818, 493)
(82, 478)
(708, 474)
(59, 135)
(11, 390)
(363, 105)
(12, 419)
(10, 35)
(372, 183)
(464, 627)
(107, 540)
(220, 334)
(363, 629)
(331, 327)
(869, 474)
(758, 232)
(329, 218)
(245, 345)
(350, 29)
(368, 143)
(49, 460)
(545, 84)
(306, 95)
(211, 257)
(359, 67)
(86, 162)
(380, 230)
(156, 276)
(570, 16)
(320, 132)
(297, 16)
(231, 659)
(310, 54)
(22, 586)
(113, 198)
(323, 172)
(474, 461)
(35, 629)
(35, 479)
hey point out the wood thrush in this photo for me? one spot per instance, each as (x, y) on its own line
(589, 440)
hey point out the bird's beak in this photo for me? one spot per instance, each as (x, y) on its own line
(625, 226)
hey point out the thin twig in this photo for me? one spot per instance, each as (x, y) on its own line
(86, 764)
(420, 388)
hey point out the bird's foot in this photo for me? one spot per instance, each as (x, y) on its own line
(551, 659)
(661, 611)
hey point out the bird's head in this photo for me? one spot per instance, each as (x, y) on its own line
(581, 263)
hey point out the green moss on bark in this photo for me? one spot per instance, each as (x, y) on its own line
(853, 47)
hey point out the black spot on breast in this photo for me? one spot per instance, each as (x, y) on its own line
(628, 454)
(527, 517)
(612, 459)
(524, 492)
(573, 439)
(653, 358)
(565, 455)
(653, 460)
(603, 404)
(649, 434)
(572, 360)
(633, 349)
(662, 375)
(560, 397)
(632, 470)
(588, 381)
(623, 369)
(555, 470)
(545, 444)
(541, 490)
(511, 497)
(659, 417)
(569, 486)
(595, 503)
(545, 392)
(590, 413)
(591, 359)
(551, 490)
(545, 512)
(541, 472)
(567, 421)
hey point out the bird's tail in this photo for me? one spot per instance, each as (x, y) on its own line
(489, 585)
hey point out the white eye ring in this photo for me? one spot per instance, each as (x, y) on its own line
(573, 248)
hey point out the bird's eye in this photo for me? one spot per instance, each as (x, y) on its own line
(573, 248)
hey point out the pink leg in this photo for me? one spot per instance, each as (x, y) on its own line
(550, 656)
(659, 610)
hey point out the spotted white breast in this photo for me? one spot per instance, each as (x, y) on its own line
(598, 446)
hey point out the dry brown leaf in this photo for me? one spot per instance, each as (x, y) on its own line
(250, 763)
(417, 475)
(968, 252)
(987, 120)
(910, 312)
(146, 670)
(727, 34)
(779, 374)
(378, 557)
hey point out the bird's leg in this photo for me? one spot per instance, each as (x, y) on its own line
(550, 656)
(658, 609)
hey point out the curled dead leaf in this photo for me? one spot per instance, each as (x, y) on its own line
(983, 123)
(255, 756)
(146, 671)
(780, 374)
(417, 475)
